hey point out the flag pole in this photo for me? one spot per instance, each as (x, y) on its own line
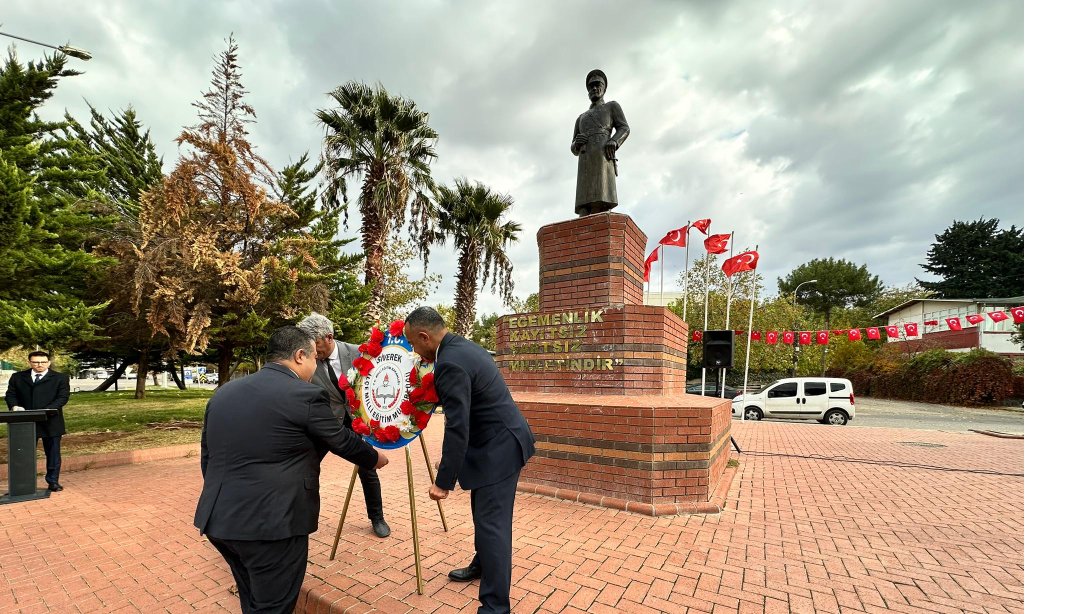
(726, 325)
(704, 369)
(662, 272)
(749, 337)
(685, 278)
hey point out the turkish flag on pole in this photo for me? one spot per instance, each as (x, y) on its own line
(953, 323)
(770, 337)
(892, 332)
(804, 338)
(997, 316)
(653, 256)
(717, 244)
(746, 261)
(823, 337)
(1019, 314)
(676, 237)
(789, 337)
(755, 336)
(702, 225)
(873, 333)
(912, 329)
(974, 318)
(854, 334)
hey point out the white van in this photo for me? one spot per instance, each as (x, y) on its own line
(826, 399)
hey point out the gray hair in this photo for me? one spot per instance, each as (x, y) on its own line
(286, 341)
(426, 318)
(316, 325)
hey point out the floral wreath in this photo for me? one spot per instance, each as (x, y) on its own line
(418, 400)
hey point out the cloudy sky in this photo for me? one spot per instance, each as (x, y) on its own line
(846, 129)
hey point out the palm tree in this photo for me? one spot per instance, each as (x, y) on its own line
(470, 215)
(385, 141)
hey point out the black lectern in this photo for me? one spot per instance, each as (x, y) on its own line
(22, 465)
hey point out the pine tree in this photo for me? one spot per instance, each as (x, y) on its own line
(47, 204)
(977, 260)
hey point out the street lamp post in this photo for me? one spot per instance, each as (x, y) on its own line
(68, 50)
(794, 325)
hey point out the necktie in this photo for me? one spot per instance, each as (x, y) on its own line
(333, 377)
(37, 377)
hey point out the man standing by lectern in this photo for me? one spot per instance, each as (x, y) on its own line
(39, 387)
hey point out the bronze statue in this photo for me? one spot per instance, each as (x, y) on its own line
(599, 131)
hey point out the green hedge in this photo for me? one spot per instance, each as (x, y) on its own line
(978, 377)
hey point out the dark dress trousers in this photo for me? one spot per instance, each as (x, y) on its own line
(51, 392)
(261, 449)
(486, 444)
(372, 487)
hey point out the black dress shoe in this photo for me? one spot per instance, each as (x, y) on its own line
(55, 487)
(381, 528)
(465, 574)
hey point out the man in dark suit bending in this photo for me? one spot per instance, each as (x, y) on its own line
(486, 444)
(261, 449)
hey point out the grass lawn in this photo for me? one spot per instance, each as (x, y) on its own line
(112, 421)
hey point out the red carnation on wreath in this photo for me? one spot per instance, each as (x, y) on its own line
(414, 411)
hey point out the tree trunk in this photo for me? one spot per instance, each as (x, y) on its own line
(178, 381)
(227, 357)
(116, 375)
(141, 375)
(465, 291)
(375, 234)
(155, 378)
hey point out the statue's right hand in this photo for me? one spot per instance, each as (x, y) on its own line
(382, 460)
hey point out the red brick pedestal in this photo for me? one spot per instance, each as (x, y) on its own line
(601, 378)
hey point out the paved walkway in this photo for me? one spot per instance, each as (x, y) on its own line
(821, 519)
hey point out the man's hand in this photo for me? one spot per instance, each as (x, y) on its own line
(437, 494)
(610, 149)
(382, 460)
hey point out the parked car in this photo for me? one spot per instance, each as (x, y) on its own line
(212, 378)
(826, 399)
(712, 390)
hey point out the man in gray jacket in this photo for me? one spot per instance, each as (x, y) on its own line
(334, 358)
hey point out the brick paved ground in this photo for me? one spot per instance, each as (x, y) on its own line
(821, 519)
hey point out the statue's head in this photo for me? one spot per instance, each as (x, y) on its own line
(596, 84)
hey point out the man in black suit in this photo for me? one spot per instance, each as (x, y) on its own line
(40, 387)
(486, 444)
(334, 359)
(261, 449)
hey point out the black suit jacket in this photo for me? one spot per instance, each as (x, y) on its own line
(487, 438)
(50, 393)
(261, 450)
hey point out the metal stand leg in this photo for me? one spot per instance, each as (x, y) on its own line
(412, 512)
(431, 475)
(344, 510)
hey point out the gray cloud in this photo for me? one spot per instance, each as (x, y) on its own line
(815, 129)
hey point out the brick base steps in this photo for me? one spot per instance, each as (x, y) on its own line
(114, 459)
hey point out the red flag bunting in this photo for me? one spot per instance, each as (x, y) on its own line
(954, 323)
(804, 338)
(789, 337)
(702, 225)
(823, 337)
(873, 333)
(839, 332)
(892, 332)
(676, 237)
(717, 244)
(1019, 314)
(746, 261)
(912, 329)
(739, 333)
(974, 318)
(997, 316)
(770, 337)
(854, 334)
(930, 322)
(698, 336)
(653, 256)
(755, 336)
